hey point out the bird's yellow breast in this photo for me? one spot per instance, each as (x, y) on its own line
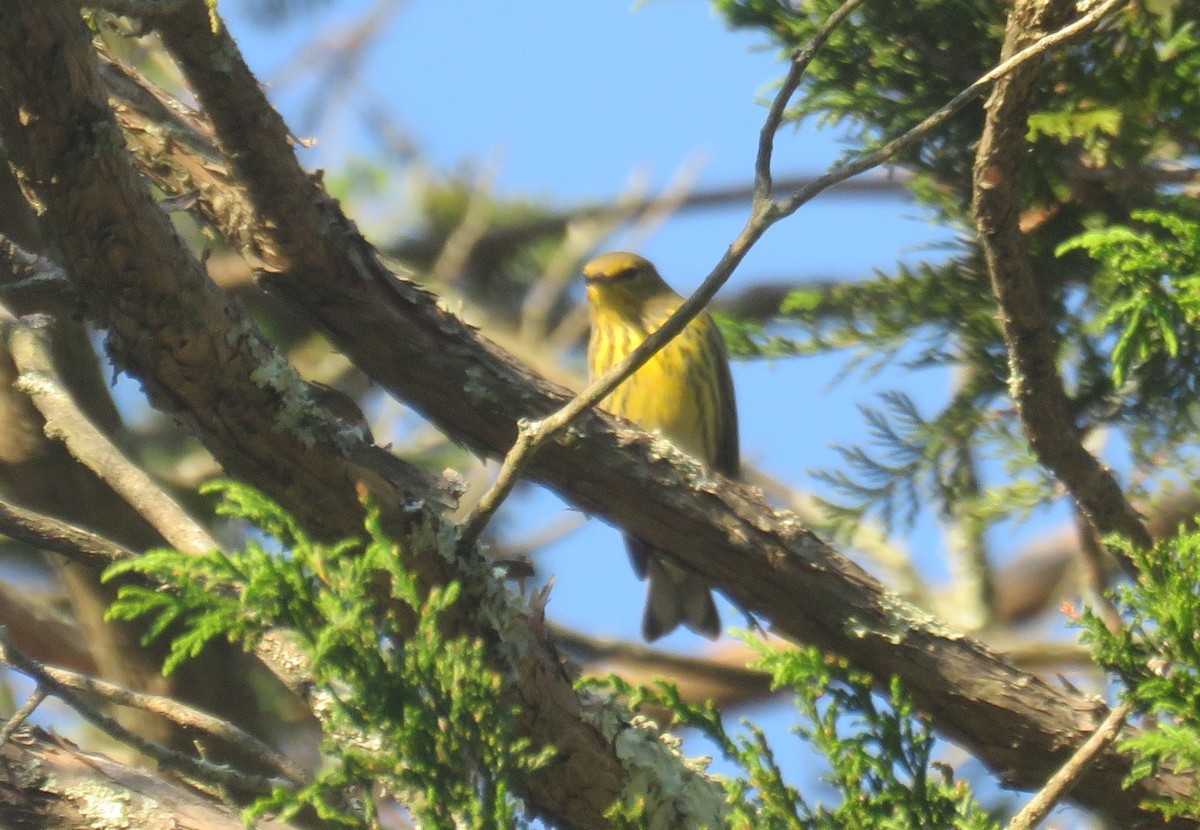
(671, 391)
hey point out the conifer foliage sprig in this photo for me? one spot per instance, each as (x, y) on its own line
(418, 717)
(877, 748)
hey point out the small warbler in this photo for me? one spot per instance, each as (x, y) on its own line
(684, 391)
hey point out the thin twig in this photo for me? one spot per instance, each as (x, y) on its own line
(49, 533)
(216, 774)
(335, 62)
(1097, 573)
(67, 422)
(556, 278)
(667, 204)
(868, 538)
(181, 714)
(1061, 782)
(552, 225)
(579, 237)
(582, 235)
(721, 677)
(801, 58)
(527, 442)
(764, 212)
(34, 700)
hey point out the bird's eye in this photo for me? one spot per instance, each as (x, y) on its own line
(624, 274)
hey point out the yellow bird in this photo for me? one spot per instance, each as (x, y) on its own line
(685, 391)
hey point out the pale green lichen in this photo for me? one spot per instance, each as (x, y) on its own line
(294, 415)
(670, 791)
(29, 774)
(105, 806)
(476, 386)
(904, 619)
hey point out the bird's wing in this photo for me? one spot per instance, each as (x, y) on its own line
(728, 458)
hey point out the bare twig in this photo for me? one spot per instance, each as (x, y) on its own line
(1097, 571)
(65, 421)
(868, 539)
(1061, 782)
(510, 237)
(339, 56)
(889, 150)
(667, 204)
(49, 533)
(721, 677)
(215, 774)
(31, 703)
(579, 237)
(180, 714)
(800, 61)
(1048, 656)
(530, 436)
(582, 236)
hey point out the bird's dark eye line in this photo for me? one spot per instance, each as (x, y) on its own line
(616, 276)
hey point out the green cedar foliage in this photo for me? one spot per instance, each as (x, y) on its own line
(878, 752)
(1150, 270)
(1156, 655)
(419, 717)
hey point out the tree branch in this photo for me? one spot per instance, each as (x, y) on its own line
(1060, 783)
(65, 421)
(48, 782)
(178, 713)
(1029, 327)
(49, 533)
(236, 780)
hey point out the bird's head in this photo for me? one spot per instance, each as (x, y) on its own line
(623, 282)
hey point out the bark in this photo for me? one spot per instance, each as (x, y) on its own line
(46, 782)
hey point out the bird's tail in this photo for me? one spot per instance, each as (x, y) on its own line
(675, 595)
